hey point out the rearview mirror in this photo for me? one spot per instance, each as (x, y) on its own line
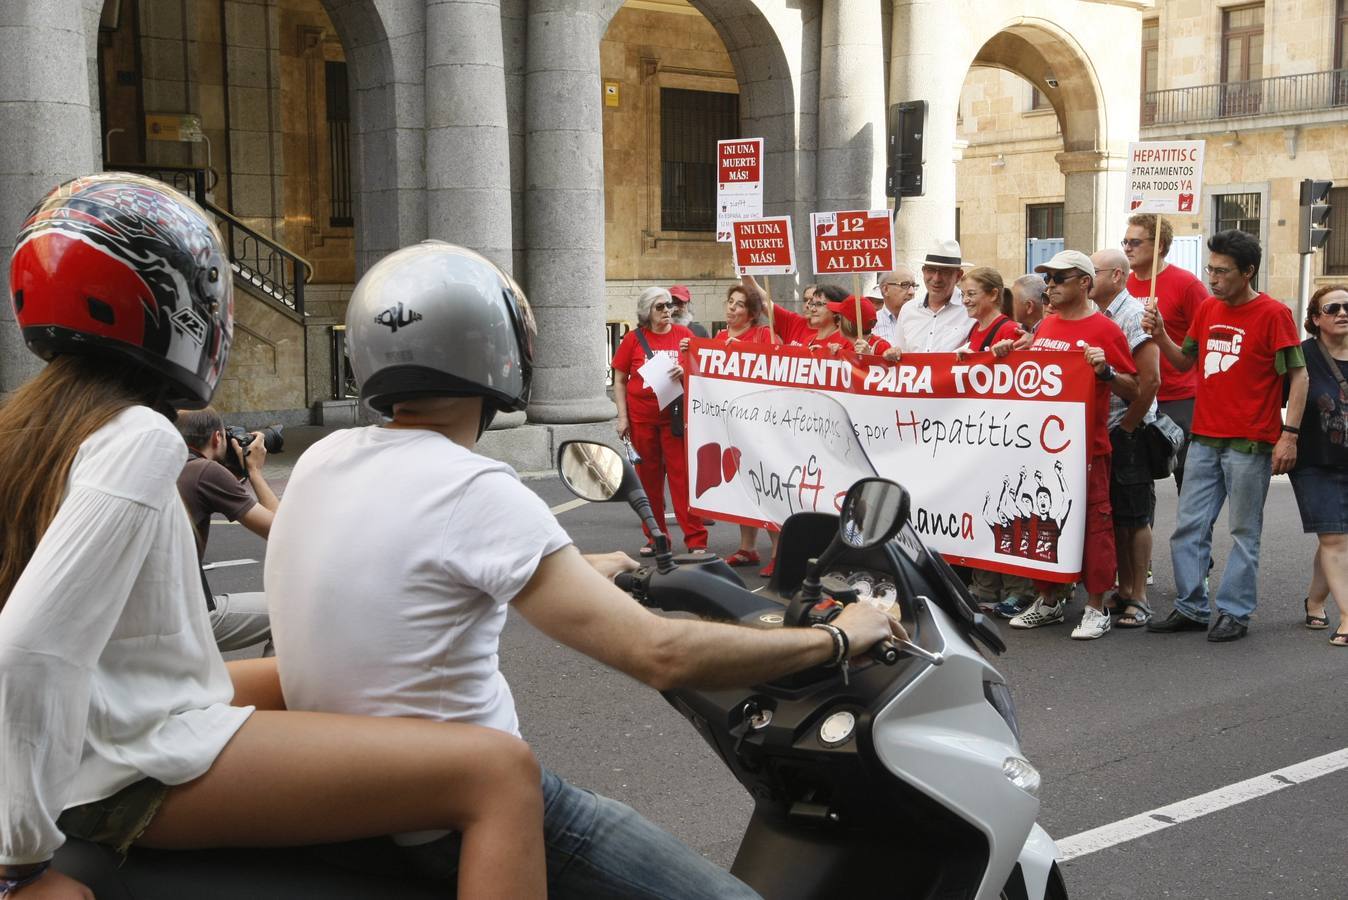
(873, 511)
(590, 470)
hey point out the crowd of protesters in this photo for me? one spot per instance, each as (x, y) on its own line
(1214, 371)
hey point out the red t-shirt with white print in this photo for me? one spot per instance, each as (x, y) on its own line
(631, 356)
(1097, 330)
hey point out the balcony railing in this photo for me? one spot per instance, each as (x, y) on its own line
(1233, 99)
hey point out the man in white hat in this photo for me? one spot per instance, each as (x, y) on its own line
(939, 322)
(1079, 323)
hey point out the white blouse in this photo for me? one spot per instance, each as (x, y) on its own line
(109, 672)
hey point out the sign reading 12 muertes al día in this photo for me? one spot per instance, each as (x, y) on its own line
(1164, 177)
(852, 243)
(992, 451)
(739, 183)
(764, 246)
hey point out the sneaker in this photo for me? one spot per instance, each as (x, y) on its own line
(1012, 606)
(1150, 579)
(1040, 613)
(1094, 624)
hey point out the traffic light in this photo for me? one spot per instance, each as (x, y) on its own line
(1314, 214)
(906, 124)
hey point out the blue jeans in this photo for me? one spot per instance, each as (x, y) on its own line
(597, 849)
(1211, 476)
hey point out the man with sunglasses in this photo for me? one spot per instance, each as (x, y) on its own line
(896, 289)
(1178, 295)
(1244, 346)
(1077, 324)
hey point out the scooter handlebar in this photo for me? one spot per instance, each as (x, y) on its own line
(884, 652)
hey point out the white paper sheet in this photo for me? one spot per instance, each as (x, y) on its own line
(656, 373)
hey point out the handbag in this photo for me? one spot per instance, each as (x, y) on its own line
(676, 405)
(1163, 439)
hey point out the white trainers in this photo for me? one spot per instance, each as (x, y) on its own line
(1040, 613)
(1094, 624)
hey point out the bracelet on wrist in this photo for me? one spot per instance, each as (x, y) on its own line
(840, 644)
(10, 884)
(1291, 429)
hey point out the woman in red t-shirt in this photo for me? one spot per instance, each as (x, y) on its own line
(845, 317)
(650, 428)
(983, 300)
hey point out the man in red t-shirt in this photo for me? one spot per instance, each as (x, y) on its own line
(1178, 295)
(1077, 323)
(1243, 345)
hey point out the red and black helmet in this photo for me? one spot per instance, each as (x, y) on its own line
(126, 265)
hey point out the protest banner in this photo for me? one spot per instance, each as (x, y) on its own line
(1164, 177)
(854, 242)
(739, 183)
(764, 246)
(992, 451)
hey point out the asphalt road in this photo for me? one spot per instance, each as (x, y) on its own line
(1118, 727)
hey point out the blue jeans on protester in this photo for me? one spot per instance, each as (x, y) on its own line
(1211, 477)
(597, 849)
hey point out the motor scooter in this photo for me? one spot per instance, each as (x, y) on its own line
(900, 775)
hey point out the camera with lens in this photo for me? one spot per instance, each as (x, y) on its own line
(272, 440)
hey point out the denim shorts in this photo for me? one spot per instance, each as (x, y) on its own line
(116, 821)
(1322, 498)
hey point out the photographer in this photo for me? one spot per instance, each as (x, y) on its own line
(207, 486)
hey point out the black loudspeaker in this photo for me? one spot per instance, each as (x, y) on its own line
(907, 121)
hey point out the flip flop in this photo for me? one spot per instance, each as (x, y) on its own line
(1339, 639)
(1314, 623)
(648, 550)
(1140, 615)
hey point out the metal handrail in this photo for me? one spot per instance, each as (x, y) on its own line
(1257, 97)
(274, 271)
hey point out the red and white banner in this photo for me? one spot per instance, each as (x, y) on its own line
(992, 451)
(852, 243)
(764, 246)
(739, 183)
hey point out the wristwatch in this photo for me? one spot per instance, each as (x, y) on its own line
(1107, 374)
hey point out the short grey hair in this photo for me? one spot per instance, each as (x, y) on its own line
(648, 298)
(887, 277)
(1031, 286)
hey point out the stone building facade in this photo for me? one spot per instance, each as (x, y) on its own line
(1265, 84)
(533, 131)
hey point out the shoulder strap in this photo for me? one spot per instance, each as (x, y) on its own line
(1333, 365)
(645, 344)
(992, 332)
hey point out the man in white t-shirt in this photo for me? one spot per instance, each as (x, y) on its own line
(399, 548)
(896, 289)
(938, 322)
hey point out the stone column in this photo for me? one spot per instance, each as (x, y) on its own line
(925, 67)
(46, 134)
(467, 138)
(851, 161)
(1093, 213)
(564, 210)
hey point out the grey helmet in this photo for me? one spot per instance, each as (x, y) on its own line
(435, 319)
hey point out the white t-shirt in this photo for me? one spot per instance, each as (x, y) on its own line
(389, 567)
(924, 331)
(109, 672)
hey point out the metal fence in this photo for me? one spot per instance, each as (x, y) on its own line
(1233, 99)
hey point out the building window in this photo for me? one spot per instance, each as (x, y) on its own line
(1242, 59)
(1336, 248)
(1341, 55)
(339, 143)
(691, 122)
(1238, 211)
(1043, 220)
(1038, 101)
(1151, 52)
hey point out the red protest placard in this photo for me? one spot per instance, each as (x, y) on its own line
(852, 242)
(739, 163)
(764, 246)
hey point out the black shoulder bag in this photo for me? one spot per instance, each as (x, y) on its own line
(676, 407)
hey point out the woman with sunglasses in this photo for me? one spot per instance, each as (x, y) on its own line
(655, 432)
(1320, 477)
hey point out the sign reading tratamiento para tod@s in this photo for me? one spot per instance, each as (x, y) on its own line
(854, 242)
(739, 183)
(1164, 177)
(764, 246)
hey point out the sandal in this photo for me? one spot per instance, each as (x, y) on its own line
(648, 550)
(1315, 623)
(766, 571)
(1133, 613)
(742, 558)
(1114, 604)
(1339, 639)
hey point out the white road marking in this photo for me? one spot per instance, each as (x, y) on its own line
(1163, 817)
(568, 505)
(226, 563)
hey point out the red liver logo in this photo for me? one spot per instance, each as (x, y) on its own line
(1186, 202)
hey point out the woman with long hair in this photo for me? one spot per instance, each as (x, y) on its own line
(121, 723)
(1320, 477)
(657, 434)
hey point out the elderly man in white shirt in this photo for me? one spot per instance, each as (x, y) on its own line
(938, 323)
(896, 289)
